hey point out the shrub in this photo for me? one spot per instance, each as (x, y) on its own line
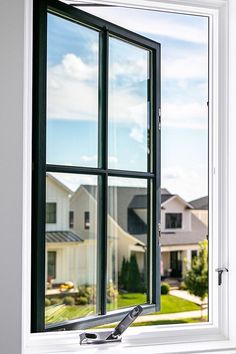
(47, 302)
(165, 288)
(130, 278)
(55, 301)
(124, 274)
(87, 291)
(69, 300)
(182, 286)
(81, 300)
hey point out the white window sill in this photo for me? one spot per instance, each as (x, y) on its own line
(154, 340)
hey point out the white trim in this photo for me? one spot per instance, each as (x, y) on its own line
(212, 336)
(27, 175)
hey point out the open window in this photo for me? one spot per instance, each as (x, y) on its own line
(104, 91)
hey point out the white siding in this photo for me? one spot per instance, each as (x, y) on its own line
(80, 203)
(176, 206)
(57, 194)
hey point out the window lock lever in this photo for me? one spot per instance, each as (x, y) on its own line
(220, 272)
(111, 336)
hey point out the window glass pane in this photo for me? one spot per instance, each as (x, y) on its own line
(127, 242)
(173, 220)
(184, 145)
(72, 97)
(128, 106)
(51, 213)
(70, 248)
(52, 265)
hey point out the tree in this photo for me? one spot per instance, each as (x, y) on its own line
(124, 274)
(134, 278)
(130, 277)
(196, 279)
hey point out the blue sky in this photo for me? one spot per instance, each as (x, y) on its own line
(72, 97)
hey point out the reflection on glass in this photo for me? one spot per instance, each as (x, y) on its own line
(127, 243)
(72, 101)
(70, 247)
(128, 106)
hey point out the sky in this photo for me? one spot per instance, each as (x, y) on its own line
(72, 102)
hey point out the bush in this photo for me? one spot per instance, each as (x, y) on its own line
(47, 302)
(165, 288)
(182, 286)
(69, 300)
(81, 300)
(87, 291)
(55, 301)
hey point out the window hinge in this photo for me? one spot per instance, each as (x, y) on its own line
(220, 272)
(159, 118)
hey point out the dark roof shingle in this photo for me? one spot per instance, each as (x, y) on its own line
(62, 236)
(200, 203)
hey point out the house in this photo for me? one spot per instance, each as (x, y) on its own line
(64, 248)
(200, 209)
(181, 230)
(71, 231)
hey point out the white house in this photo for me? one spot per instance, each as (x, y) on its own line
(65, 256)
(181, 230)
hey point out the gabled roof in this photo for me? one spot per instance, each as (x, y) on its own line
(59, 183)
(62, 236)
(122, 197)
(140, 201)
(200, 203)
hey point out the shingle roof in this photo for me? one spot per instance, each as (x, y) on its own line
(122, 197)
(140, 201)
(62, 236)
(200, 203)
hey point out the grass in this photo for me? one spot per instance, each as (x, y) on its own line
(169, 304)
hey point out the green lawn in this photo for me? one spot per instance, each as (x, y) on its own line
(169, 304)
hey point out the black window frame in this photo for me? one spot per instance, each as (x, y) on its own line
(71, 219)
(86, 220)
(40, 168)
(171, 214)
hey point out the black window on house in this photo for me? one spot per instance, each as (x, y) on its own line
(71, 219)
(52, 258)
(51, 213)
(108, 46)
(86, 220)
(173, 220)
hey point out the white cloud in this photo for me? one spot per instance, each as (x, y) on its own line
(137, 134)
(113, 160)
(154, 23)
(73, 94)
(187, 67)
(90, 158)
(185, 115)
(187, 183)
(72, 90)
